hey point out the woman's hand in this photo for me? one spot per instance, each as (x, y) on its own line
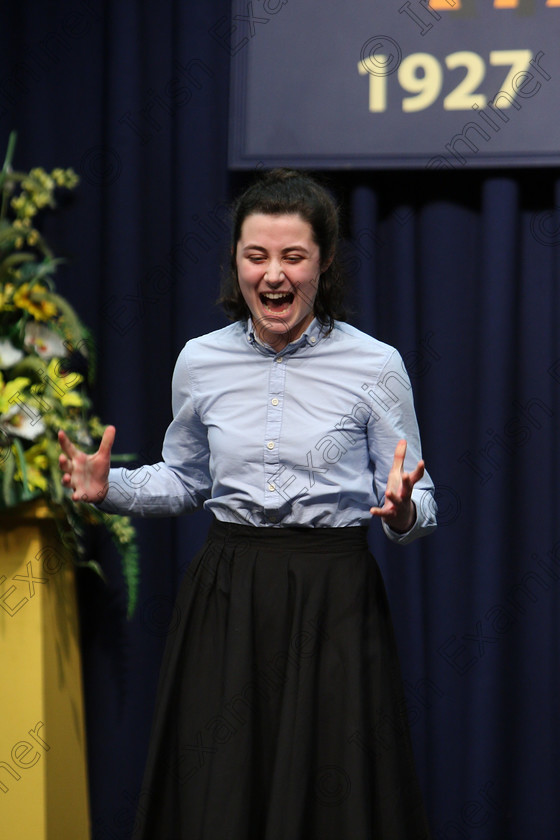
(87, 475)
(399, 511)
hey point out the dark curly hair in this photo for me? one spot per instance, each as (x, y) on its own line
(285, 191)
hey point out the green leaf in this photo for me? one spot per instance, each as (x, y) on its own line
(31, 364)
(42, 272)
(8, 470)
(8, 233)
(21, 258)
(94, 566)
(12, 140)
(27, 493)
(131, 571)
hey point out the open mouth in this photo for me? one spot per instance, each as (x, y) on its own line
(277, 302)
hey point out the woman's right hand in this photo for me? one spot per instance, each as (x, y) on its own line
(87, 475)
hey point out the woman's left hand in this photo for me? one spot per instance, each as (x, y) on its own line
(399, 511)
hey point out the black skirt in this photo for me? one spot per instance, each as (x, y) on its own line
(280, 712)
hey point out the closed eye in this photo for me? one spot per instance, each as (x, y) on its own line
(292, 259)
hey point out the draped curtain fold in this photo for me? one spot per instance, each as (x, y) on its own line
(459, 270)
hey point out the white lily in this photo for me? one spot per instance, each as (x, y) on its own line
(46, 342)
(9, 355)
(19, 423)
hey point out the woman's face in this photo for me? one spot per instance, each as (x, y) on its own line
(278, 269)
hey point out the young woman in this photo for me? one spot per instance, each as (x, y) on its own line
(280, 711)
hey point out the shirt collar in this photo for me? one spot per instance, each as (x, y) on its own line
(310, 337)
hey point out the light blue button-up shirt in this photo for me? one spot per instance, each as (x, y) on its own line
(304, 436)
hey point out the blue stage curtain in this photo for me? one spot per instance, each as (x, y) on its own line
(459, 270)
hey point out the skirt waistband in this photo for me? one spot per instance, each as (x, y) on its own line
(292, 537)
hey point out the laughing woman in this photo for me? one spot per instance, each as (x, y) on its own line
(294, 429)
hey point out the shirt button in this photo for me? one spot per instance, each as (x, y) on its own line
(274, 401)
(270, 444)
(313, 340)
(271, 487)
(280, 359)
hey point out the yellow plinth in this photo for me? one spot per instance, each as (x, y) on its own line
(43, 780)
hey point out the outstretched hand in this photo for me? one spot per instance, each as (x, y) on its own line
(87, 475)
(399, 511)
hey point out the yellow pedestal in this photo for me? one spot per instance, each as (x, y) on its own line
(43, 780)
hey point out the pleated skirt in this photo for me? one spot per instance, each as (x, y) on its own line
(280, 712)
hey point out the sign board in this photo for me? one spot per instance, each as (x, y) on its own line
(440, 84)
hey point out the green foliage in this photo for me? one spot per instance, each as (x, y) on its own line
(43, 345)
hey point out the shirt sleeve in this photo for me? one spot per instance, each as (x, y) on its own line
(393, 418)
(181, 482)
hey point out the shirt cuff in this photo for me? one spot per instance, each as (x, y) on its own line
(424, 523)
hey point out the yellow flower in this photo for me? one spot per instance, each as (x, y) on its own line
(35, 478)
(40, 308)
(122, 529)
(42, 198)
(58, 177)
(18, 202)
(60, 379)
(72, 179)
(10, 390)
(24, 206)
(36, 465)
(42, 177)
(65, 178)
(72, 400)
(18, 413)
(6, 294)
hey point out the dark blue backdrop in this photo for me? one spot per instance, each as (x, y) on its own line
(459, 270)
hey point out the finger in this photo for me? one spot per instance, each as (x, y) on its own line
(107, 441)
(417, 472)
(398, 458)
(381, 511)
(66, 444)
(64, 463)
(394, 498)
(405, 489)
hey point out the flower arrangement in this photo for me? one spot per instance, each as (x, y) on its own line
(47, 361)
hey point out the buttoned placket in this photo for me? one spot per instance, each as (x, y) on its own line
(276, 486)
(274, 413)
